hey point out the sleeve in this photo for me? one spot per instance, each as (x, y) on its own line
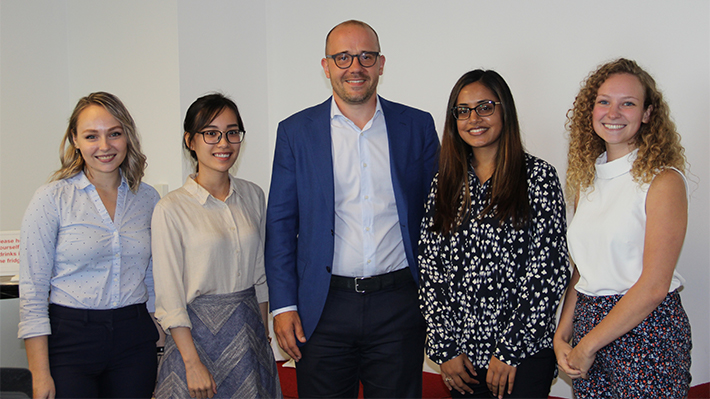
(38, 242)
(431, 151)
(149, 282)
(168, 269)
(434, 290)
(282, 226)
(542, 280)
(262, 289)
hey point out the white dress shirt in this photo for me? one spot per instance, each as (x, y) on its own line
(368, 239)
(72, 253)
(204, 246)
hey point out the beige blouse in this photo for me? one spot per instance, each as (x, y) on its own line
(203, 246)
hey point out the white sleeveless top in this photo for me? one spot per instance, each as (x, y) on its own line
(606, 236)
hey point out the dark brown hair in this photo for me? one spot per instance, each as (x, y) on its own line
(509, 197)
(201, 113)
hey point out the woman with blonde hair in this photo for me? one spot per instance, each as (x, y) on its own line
(85, 263)
(623, 331)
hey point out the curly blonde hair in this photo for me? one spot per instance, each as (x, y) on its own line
(133, 166)
(657, 141)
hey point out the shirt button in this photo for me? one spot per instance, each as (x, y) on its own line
(117, 255)
(369, 261)
(364, 164)
(367, 229)
(367, 197)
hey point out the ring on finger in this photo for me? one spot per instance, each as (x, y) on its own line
(448, 379)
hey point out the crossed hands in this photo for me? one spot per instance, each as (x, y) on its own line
(576, 361)
(499, 375)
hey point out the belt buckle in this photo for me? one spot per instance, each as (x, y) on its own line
(357, 280)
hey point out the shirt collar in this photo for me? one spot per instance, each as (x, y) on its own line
(617, 167)
(81, 181)
(202, 194)
(335, 112)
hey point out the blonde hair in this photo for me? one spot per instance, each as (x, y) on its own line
(657, 141)
(72, 161)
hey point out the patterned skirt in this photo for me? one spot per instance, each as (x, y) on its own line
(231, 340)
(650, 361)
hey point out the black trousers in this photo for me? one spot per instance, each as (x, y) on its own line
(375, 338)
(102, 353)
(532, 379)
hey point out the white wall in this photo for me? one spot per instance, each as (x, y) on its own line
(158, 56)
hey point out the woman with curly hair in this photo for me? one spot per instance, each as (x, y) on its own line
(492, 253)
(629, 334)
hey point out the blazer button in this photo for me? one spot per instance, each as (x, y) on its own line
(327, 268)
(332, 232)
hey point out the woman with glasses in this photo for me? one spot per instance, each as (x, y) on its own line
(86, 286)
(623, 331)
(492, 253)
(211, 293)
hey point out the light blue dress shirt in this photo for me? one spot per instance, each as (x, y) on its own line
(368, 239)
(72, 253)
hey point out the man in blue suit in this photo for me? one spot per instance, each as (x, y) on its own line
(349, 181)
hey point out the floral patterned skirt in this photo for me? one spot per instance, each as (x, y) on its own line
(650, 361)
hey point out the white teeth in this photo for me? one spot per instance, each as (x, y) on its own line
(222, 155)
(355, 81)
(105, 157)
(478, 130)
(613, 127)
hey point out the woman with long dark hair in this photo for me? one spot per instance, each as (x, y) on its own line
(492, 253)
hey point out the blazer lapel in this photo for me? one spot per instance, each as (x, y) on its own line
(321, 154)
(398, 133)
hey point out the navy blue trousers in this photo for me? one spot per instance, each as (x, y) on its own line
(102, 353)
(375, 338)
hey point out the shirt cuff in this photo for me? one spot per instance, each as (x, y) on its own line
(292, 308)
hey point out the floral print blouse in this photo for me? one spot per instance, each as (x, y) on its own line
(488, 289)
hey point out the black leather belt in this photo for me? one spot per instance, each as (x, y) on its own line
(367, 285)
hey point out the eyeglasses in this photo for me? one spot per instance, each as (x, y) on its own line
(215, 136)
(486, 108)
(344, 60)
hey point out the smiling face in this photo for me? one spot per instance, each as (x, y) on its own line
(354, 85)
(101, 141)
(480, 132)
(216, 157)
(619, 112)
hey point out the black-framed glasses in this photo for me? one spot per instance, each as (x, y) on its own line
(485, 108)
(344, 60)
(215, 136)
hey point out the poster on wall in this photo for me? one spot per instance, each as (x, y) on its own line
(9, 252)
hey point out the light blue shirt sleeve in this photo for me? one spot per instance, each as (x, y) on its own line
(73, 254)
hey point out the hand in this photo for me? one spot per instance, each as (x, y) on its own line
(200, 382)
(455, 376)
(287, 327)
(562, 350)
(43, 386)
(498, 375)
(581, 359)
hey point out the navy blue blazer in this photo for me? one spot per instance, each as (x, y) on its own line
(300, 217)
